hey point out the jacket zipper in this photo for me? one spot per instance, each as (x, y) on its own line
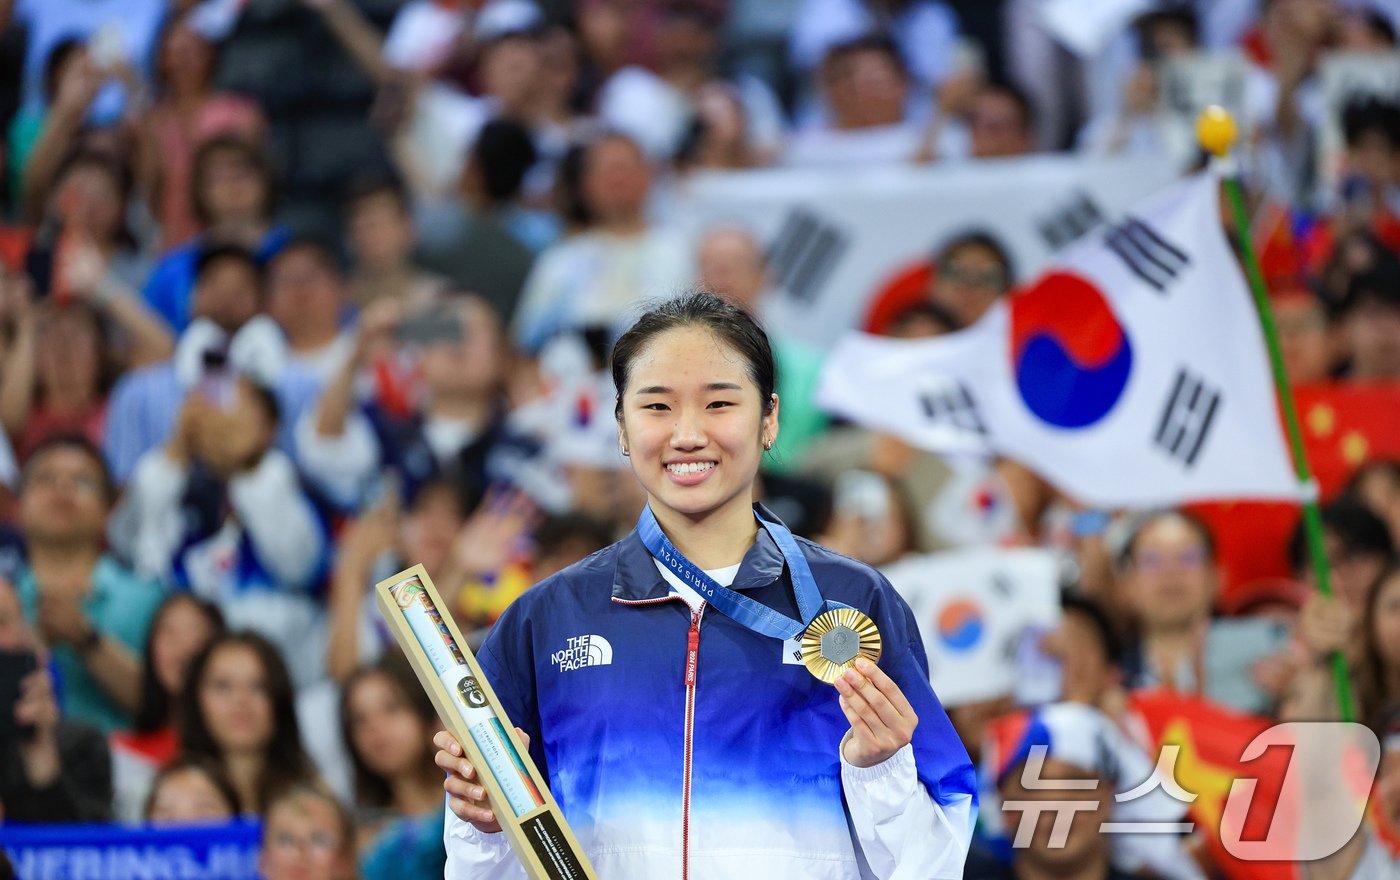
(692, 663)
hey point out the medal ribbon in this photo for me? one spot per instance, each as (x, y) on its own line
(731, 603)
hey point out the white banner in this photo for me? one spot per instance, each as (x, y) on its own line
(973, 607)
(1133, 373)
(1085, 27)
(1189, 84)
(1345, 78)
(837, 238)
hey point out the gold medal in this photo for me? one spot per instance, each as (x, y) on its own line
(834, 641)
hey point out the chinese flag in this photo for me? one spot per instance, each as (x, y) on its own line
(1343, 427)
(1211, 739)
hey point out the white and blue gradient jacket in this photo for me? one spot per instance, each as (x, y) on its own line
(734, 771)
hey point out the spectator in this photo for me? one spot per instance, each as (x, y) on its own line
(379, 543)
(84, 246)
(218, 490)
(870, 520)
(489, 565)
(1370, 325)
(508, 60)
(237, 711)
(134, 23)
(1303, 335)
(1371, 850)
(191, 791)
(926, 31)
(720, 135)
(1001, 123)
(1132, 127)
(560, 541)
(1087, 649)
(922, 320)
(307, 297)
(1287, 46)
(229, 335)
(232, 193)
(52, 769)
(389, 722)
(307, 833)
(1081, 744)
(1370, 187)
(67, 72)
(1378, 666)
(379, 219)
(61, 364)
(484, 240)
(345, 448)
(866, 87)
(1376, 484)
(972, 271)
(66, 126)
(555, 115)
(93, 611)
(1357, 546)
(1353, 254)
(181, 628)
(657, 108)
(1169, 583)
(187, 112)
(56, 376)
(731, 262)
(595, 278)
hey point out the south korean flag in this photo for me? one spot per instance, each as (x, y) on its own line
(1132, 373)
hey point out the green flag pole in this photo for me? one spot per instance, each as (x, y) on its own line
(1215, 130)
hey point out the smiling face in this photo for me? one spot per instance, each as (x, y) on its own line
(694, 424)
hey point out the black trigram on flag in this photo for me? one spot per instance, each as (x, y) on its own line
(805, 252)
(1146, 253)
(1187, 418)
(953, 405)
(1071, 221)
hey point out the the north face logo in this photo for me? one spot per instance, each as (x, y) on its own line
(583, 651)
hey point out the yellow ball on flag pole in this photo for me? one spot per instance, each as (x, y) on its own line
(1216, 130)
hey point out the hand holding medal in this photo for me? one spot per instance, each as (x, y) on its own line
(882, 721)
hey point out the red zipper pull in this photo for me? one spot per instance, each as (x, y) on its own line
(692, 656)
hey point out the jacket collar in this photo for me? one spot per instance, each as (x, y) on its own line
(637, 579)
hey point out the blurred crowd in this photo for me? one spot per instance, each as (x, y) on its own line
(297, 293)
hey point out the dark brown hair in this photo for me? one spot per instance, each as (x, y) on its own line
(199, 764)
(246, 152)
(1369, 671)
(699, 308)
(371, 789)
(156, 708)
(284, 759)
